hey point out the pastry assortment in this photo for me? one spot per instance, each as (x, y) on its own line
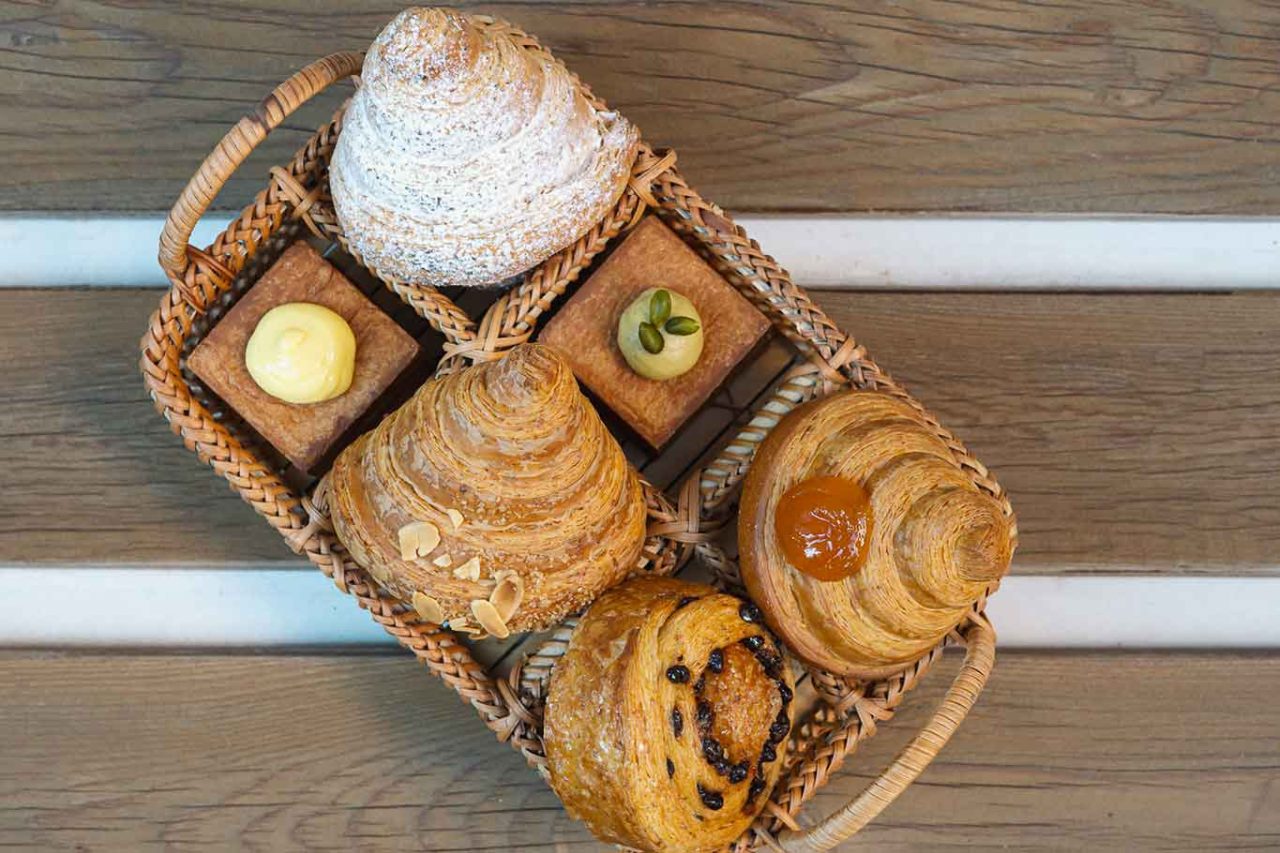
(279, 356)
(595, 331)
(860, 536)
(466, 159)
(494, 500)
(668, 716)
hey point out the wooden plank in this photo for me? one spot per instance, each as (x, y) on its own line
(1133, 105)
(136, 752)
(93, 473)
(1135, 433)
(1098, 752)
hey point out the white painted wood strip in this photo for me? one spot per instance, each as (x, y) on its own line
(283, 607)
(95, 251)
(1007, 252)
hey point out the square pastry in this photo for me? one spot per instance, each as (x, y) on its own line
(585, 330)
(303, 433)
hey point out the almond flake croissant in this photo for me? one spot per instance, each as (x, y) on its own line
(934, 542)
(668, 717)
(494, 500)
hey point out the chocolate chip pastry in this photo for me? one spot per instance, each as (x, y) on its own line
(668, 716)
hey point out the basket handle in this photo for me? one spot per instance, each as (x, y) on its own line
(236, 146)
(980, 657)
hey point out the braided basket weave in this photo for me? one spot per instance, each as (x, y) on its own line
(826, 359)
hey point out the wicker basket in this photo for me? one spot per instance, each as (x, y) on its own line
(205, 281)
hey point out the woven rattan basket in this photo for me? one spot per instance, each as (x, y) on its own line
(824, 358)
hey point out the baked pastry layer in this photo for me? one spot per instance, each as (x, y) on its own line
(668, 717)
(937, 541)
(465, 158)
(502, 470)
(585, 330)
(304, 434)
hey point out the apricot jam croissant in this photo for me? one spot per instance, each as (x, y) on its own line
(667, 718)
(860, 536)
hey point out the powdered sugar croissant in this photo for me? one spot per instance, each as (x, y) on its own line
(494, 499)
(466, 158)
(936, 540)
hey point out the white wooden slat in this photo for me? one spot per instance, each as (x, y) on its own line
(288, 607)
(1006, 252)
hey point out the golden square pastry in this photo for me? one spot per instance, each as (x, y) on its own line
(585, 330)
(304, 434)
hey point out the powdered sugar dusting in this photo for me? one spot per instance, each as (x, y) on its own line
(466, 159)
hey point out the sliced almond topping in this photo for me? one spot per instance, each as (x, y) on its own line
(468, 571)
(487, 615)
(507, 595)
(455, 517)
(462, 626)
(428, 608)
(443, 561)
(418, 539)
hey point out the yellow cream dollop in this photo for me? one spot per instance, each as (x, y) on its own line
(302, 353)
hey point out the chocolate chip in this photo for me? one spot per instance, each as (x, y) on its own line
(688, 599)
(705, 716)
(770, 662)
(781, 726)
(678, 674)
(757, 785)
(711, 799)
(754, 643)
(768, 753)
(677, 721)
(721, 767)
(713, 751)
(700, 683)
(738, 772)
(785, 692)
(748, 612)
(671, 769)
(715, 661)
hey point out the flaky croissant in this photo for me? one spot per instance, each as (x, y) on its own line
(466, 158)
(494, 499)
(935, 543)
(668, 716)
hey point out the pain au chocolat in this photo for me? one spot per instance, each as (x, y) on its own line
(668, 717)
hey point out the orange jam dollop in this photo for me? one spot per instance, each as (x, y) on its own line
(824, 527)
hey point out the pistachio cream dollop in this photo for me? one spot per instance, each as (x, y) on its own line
(302, 353)
(660, 334)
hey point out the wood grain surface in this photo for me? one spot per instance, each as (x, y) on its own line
(1108, 752)
(1166, 106)
(1135, 433)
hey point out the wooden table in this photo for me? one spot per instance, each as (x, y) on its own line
(1138, 434)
